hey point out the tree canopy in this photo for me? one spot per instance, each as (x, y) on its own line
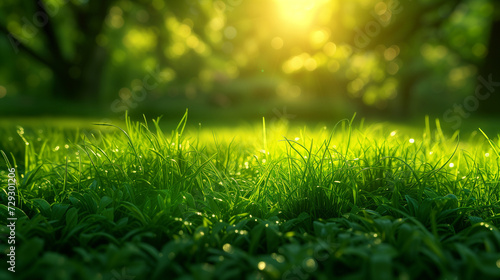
(390, 54)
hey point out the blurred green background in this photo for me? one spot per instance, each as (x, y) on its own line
(244, 59)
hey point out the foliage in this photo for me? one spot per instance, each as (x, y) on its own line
(383, 54)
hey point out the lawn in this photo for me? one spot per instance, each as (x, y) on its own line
(343, 200)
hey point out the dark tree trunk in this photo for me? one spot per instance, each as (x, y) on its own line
(81, 81)
(79, 77)
(92, 74)
(490, 71)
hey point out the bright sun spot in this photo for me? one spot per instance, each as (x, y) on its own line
(299, 12)
(412, 140)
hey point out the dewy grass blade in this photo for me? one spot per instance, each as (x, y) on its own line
(129, 140)
(492, 144)
(212, 200)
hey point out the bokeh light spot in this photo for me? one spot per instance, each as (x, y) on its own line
(479, 50)
(230, 32)
(310, 64)
(318, 38)
(392, 68)
(380, 8)
(391, 53)
(330, 48)
(277, 43)
(3, 91)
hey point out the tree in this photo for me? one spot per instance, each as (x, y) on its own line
(489, 71)
(64, 36)
(78, 73)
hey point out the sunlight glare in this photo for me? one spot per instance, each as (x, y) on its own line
(299, 12)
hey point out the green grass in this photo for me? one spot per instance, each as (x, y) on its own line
(343, 201)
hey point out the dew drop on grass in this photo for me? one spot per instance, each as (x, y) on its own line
(66, 146)
(451, 165)
(393, 133)
(412, 140)
(297, 138)
(487, 154)
(431, 152)
(56, 149)
(261, 265)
